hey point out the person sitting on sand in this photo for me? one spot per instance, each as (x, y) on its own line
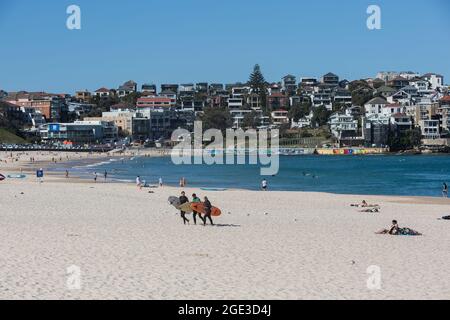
(196, 199)
(392, 231)
(183, 199)
(207, 205)
(397, 231)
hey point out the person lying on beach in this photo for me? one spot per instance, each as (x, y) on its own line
(371, 210)
(364, 204)
(395, 230)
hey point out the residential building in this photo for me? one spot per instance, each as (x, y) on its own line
(127, 88)
(149, 89)
(202, 87)
(436, 81)
(277, 101)
(122, 119)
(83, 96)
(156, 102)
(308, 82)
(375, 106)
(279, 117)
(235, 103)
(430, 129)
(393, 108)
(289, 84)
(103, 93)
(172, 88)
(376, 130)
(342, 97)
(330, 79)
(80, 108)
(398, 82)
(343, 126)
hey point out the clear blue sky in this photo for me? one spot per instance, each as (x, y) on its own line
(180, 41)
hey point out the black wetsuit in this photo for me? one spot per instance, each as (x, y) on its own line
(184, 199)
(208, 207)
(194, 215)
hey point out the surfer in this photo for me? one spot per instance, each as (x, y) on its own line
(183, 199)
(207, 205)
(196, 199)
(264, 185)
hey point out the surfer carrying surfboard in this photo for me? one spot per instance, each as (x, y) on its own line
(183, 199)
(207, 205)
(196, 199)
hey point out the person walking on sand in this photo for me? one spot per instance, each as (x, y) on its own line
(445, 190)
(138, 182)
(183, 199)
(196, 199)
(160, 182)
(95, 176)
(208, 206)
(264, 185)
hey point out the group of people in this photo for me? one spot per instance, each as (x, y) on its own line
(195, 199)
(105, 175)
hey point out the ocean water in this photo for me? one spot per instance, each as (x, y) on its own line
(373, 175)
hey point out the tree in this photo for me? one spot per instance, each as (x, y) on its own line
(320, 116)
(216, 118)
(361, 96)
(250, 120)
(258, 83)
(131, 98)
(299, 111)
(405, 140)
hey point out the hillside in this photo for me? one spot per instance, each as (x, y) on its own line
(8, 137)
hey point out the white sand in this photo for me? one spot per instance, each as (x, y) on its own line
(129, 244)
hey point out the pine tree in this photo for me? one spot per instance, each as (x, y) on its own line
(258, 83)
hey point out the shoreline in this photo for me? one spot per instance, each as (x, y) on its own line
(55, 170)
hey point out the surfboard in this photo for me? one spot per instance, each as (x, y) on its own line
(186, 207)
(199, 207)
(213, 189)
(175, 201)
(2, 177)
(17, 176)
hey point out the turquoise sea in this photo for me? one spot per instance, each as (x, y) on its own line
(412, 175)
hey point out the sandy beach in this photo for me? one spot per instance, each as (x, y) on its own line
(131, 244)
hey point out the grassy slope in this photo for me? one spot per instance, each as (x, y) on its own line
(8, 137)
